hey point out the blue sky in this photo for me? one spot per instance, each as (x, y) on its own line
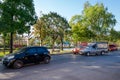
(69, 8)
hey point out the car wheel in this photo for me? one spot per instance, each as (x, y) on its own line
(88, 54)
(96, 54)
(102, 53)
(18, 64)
(46, 60)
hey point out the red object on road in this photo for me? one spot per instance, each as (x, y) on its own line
(81, 46)
(113, 47)
(76, 50)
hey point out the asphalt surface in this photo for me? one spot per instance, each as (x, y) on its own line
(69, 67)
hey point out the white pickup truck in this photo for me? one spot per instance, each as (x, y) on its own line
(95, 48)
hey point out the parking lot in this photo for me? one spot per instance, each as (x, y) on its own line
(69, 67)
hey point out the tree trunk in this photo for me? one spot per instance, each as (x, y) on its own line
(61, 44)
(4, 45)
(52, 46)
(41, 42)
(11, 42)
(28, 39)
(54, 37)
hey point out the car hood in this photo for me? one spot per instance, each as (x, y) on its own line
(11, 54)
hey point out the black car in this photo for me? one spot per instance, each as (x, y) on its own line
(27, 55)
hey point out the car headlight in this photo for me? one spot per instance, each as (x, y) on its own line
(10, 57)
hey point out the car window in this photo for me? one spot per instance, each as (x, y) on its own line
(41, 50)
(88, 47)
(31, 51)
(20, 50)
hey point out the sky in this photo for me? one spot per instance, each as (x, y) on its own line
(69, 8)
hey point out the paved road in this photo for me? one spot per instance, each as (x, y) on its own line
(69, 67)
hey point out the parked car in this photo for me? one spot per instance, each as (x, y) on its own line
(95, 48)
(77, 49)
(27, 55)
(113, 47)
(80, 46)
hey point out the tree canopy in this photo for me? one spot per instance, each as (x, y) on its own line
(16, 17)
(40, 31)
(99, 20)
(95, 23)
(55, 26)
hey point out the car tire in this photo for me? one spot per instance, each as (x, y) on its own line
(102, 53)
(96, 54)
(17, 64)
(88, 54)
(46, 60)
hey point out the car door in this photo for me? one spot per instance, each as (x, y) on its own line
(93, 49)
(41, 52)
(30, 55)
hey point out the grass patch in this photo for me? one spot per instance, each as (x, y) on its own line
(2, 54)
(61, 52)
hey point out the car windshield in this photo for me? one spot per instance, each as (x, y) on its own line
(88, 47)
(20, 51)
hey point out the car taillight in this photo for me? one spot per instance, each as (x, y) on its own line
(74, 49)
(77, 49)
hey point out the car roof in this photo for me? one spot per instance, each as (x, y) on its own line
(35, 47)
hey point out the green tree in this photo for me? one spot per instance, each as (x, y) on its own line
(94, 24)
(114, 35)
(80, 30)
(99, 20)
(56, 25)
(16, 16)
(63, 29)
(40, 31)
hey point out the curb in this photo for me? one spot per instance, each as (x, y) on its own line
(60, 53)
